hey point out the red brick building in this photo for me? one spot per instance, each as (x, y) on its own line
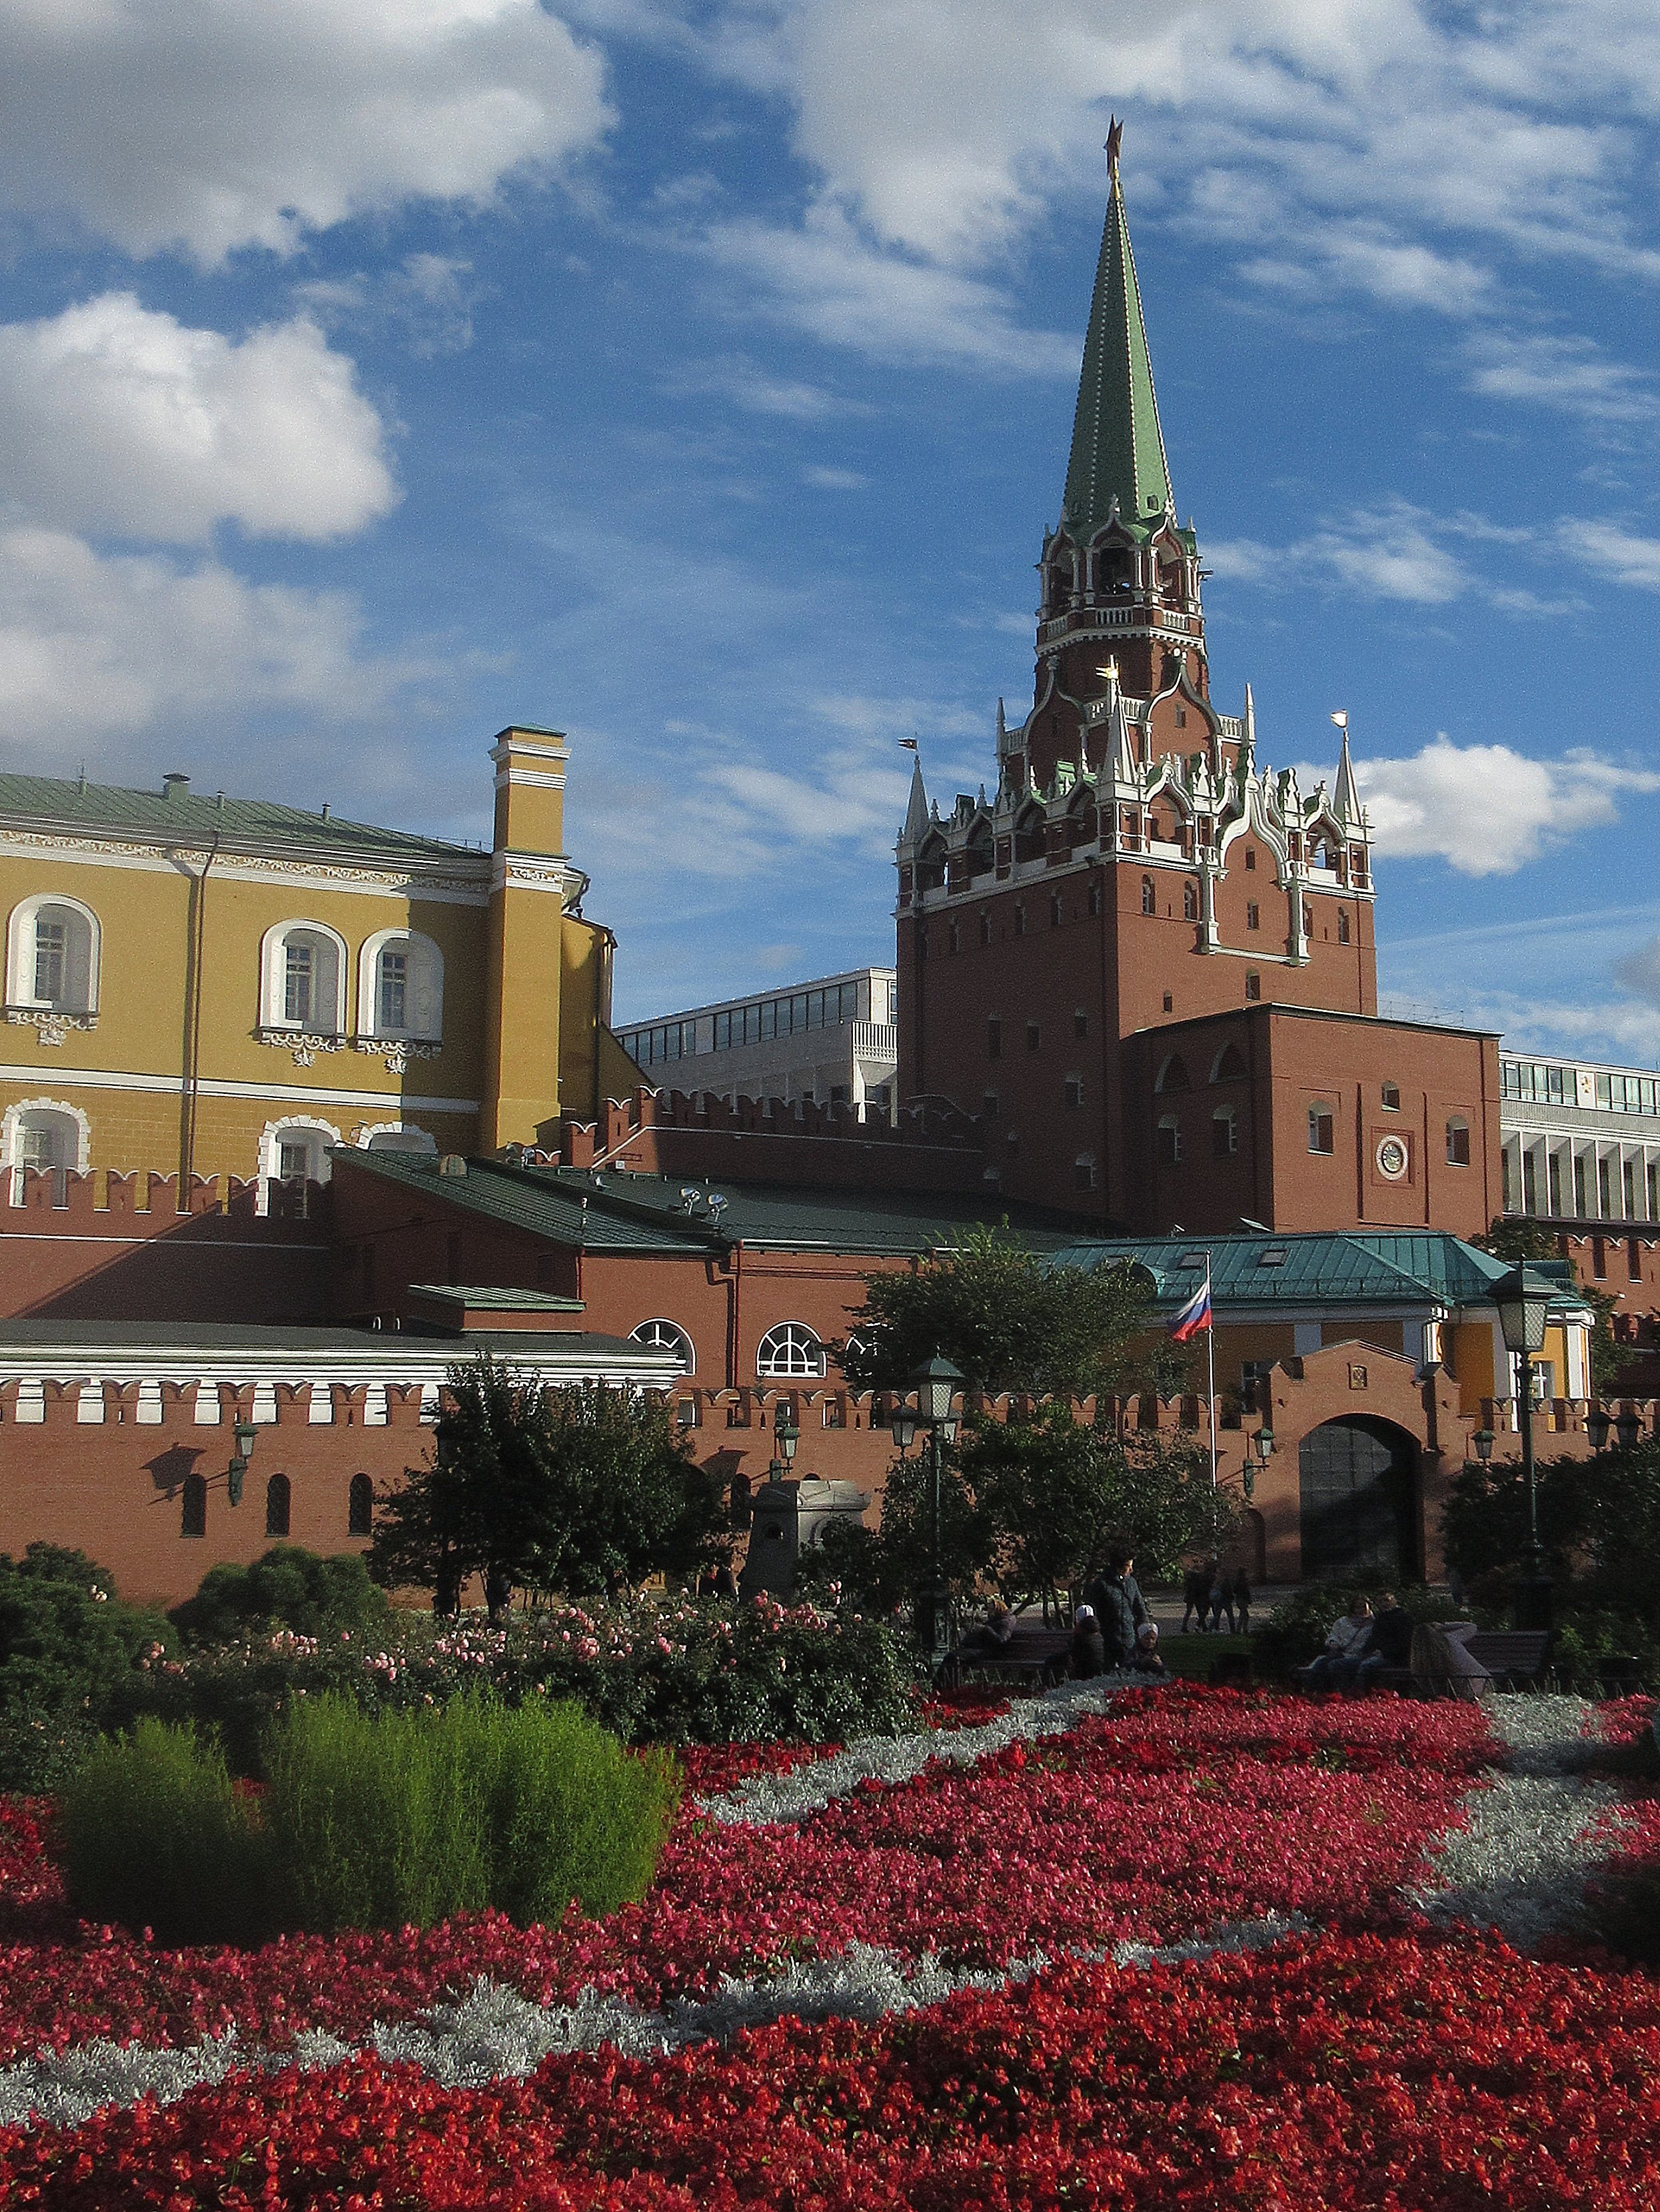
(1146, 905)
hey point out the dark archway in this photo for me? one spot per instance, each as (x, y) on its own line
(1359, 1502)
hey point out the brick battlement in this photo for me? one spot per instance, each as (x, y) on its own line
(151, 1203)
(933, 1146)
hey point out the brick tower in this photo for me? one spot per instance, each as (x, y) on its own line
(1142, 875)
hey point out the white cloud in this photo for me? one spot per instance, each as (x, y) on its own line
(1488, 810)
(833, 479)
(209, 125)
(427, 300)
(1568, 373)
(1639, 971)
(97, 651)
(1388, 147)
(113, 417)
(762, 393)
(833, 281)
(1608, 550)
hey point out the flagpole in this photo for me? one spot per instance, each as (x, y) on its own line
(1210, 1363)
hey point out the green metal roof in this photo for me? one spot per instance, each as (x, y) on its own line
(646, 1213)
(491, 1298)
(1117, 446)
(186, 1339)
(1369, 1267)
(186, 817)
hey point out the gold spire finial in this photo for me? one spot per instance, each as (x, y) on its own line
(1115, 142)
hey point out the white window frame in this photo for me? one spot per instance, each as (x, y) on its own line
(423, 952)
(683, 1345)
(10, 1129)
(767, 1366)
(19, 954)
(364, 1138)
(271, 1142)
(273, 965)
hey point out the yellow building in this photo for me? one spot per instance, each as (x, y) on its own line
(215, 985)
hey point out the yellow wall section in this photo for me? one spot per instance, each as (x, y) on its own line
(523, 983)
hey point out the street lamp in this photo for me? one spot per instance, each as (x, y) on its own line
(785, 1437)
(246, 1435)
(1263, 1444)
(1597, 1426)
(935, 1383)
(1524, 1300)
(1483, 1442)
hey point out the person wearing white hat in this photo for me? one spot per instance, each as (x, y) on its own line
(1089, 1652)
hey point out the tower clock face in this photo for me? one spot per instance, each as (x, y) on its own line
(1391, 1156)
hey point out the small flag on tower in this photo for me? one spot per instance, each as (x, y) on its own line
(909, 744)
(1342, 719)
(1188, 1320)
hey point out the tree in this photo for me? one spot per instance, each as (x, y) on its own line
(1011, 1321)
(1523, 1239)
(582, 1490)
(287, 1587)
(1058, 1494)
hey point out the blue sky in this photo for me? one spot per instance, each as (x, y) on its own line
(698, 378)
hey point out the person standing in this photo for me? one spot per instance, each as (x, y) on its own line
(1221, 1598)
(1242, 1599)
(1119, 1606)
(1195, 1591)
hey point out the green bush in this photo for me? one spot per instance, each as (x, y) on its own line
(406, 1818)
(155, 1835)
(1296, 1630)
(69, 1649)
(368, 1821)
(288, 1588)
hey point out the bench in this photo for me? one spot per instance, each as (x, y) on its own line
(1031, 1655)
(1513, 1657)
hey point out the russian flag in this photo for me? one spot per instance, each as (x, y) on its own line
(1188, 1320)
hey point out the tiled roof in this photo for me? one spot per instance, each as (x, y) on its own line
(44, 801)
(646, 1213)
(1369, 1267)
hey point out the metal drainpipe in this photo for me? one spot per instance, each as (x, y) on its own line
(195, 931)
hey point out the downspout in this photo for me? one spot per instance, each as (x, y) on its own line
(195, 929)
(734, 1311)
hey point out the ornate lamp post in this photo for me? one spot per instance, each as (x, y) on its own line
(1483, 1442)
(1597, 1426)
(1524, 1300)
(785, 1438)
(936, 1384)
(1260, 1444)
(246, 1435)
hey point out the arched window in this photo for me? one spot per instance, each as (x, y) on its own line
(1149, 897)
(297, 1150)
(360, 1507)
(303, 979)
(52, 956)
(1169, 1142)
(279, 1500)
(401, 987)
(1173, 1075)
(1458, 1141)
(1189, 901)
(1391, 1095)
(43, 1134)
(1321, 1128)
(1342, 924)
(398, 1137)
(1229, 1065)
(193, 1506)
(1224, 1133)
(667, 1336)
(790, 1349)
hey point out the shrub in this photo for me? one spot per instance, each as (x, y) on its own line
(288, 1588)
(155, 1835)
(69, 1648)
(368, 1821)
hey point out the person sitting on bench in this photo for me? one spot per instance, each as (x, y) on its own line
(1146, 1661)
(1339, 1662)
(1089, 1653)
(1389, 1642)
(992, 1639)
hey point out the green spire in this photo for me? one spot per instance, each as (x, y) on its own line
(1116, 444)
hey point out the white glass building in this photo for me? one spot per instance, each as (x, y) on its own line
(833, 1041)
(1581, 1142)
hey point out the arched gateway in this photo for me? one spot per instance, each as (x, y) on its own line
(1359, 1502)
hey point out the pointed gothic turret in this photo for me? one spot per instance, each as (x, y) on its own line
(1117, 446)
(916, 812)
(1348, 792)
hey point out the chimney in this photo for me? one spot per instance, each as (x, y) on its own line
(175, 785)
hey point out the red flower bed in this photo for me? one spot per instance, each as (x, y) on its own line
(1395, 2073)
(1177, 1811)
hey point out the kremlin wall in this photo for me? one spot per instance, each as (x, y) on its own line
(297, 1112)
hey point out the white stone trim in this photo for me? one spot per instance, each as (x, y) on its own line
(98, 1079)
(271, 979)
(421, 949)
(270, 1136)
(20, 983)
(9, 1129)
